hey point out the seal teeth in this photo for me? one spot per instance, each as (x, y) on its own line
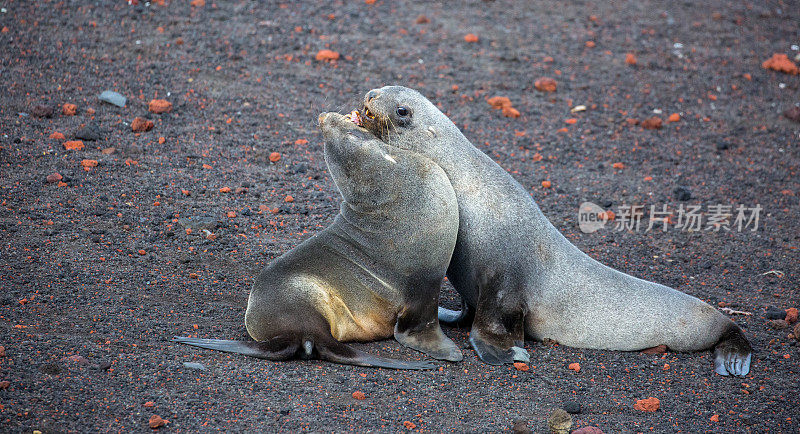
(354, 117)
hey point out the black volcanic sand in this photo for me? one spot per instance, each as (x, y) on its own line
(98, 272)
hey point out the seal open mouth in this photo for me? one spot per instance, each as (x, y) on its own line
(357, 117)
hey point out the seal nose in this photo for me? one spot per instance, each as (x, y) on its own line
(372, 94)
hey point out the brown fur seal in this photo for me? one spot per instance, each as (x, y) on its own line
(517, 274)
(376, 271)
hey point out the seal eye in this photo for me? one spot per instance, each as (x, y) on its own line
(402, 111)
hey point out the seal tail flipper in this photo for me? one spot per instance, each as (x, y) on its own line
(280, 348)
(732, 353)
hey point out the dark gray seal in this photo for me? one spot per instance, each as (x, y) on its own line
(375, 272)
(517, 274)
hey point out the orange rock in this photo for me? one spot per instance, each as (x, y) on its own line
(90, 111)
(537, 157)
(571, 121)
(54, 178)
(109, 151)
(4, 384)
(471, 37)
(522, 366)
(369, 2)
(422, 19)
(140, 125)
(289, 199)
(781, 63)
(142, 252)
(161, 140)
(791, 315)
(2, 351)
(69, 109)
(674, 117)
(545, 84)
(409, 425)
(499, 102)
(231, 214)
(575, 367)
(327, 55)
(159, 106)
(57, 136)
(87, 164)
(714, 418)
(149, 404)
(73, 145)
(590, 44)
(546, 184)
(618, 166)
(359, 395)
(274, 157)
(650, 404)
(155, 420)
(225, 190)
(608, 215)
(630, 59)
(198, 3)
(653, 123)
(301, 142)
(510, 112)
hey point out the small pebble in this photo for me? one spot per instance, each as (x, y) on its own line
(559, 422)
(42, 111)
(520, 426)
(682, 194)
(775, 313)
(588, 430)
(572, 407)
(649, 404)
(194, 365)
(112, 97)
(157, 422)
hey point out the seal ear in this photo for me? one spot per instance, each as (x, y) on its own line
(432, 131)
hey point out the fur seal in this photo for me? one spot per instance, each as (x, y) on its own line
(517, 274)
(374, 272)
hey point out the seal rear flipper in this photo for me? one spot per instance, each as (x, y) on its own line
(732, 353)
(337, 352)
(274, 349)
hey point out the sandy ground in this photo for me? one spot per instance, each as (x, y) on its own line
(98, 270)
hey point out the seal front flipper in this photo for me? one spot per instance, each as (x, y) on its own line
(733, 353)
(418, 327)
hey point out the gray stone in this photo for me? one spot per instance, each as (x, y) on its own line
(112, 97)
(194, 365)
